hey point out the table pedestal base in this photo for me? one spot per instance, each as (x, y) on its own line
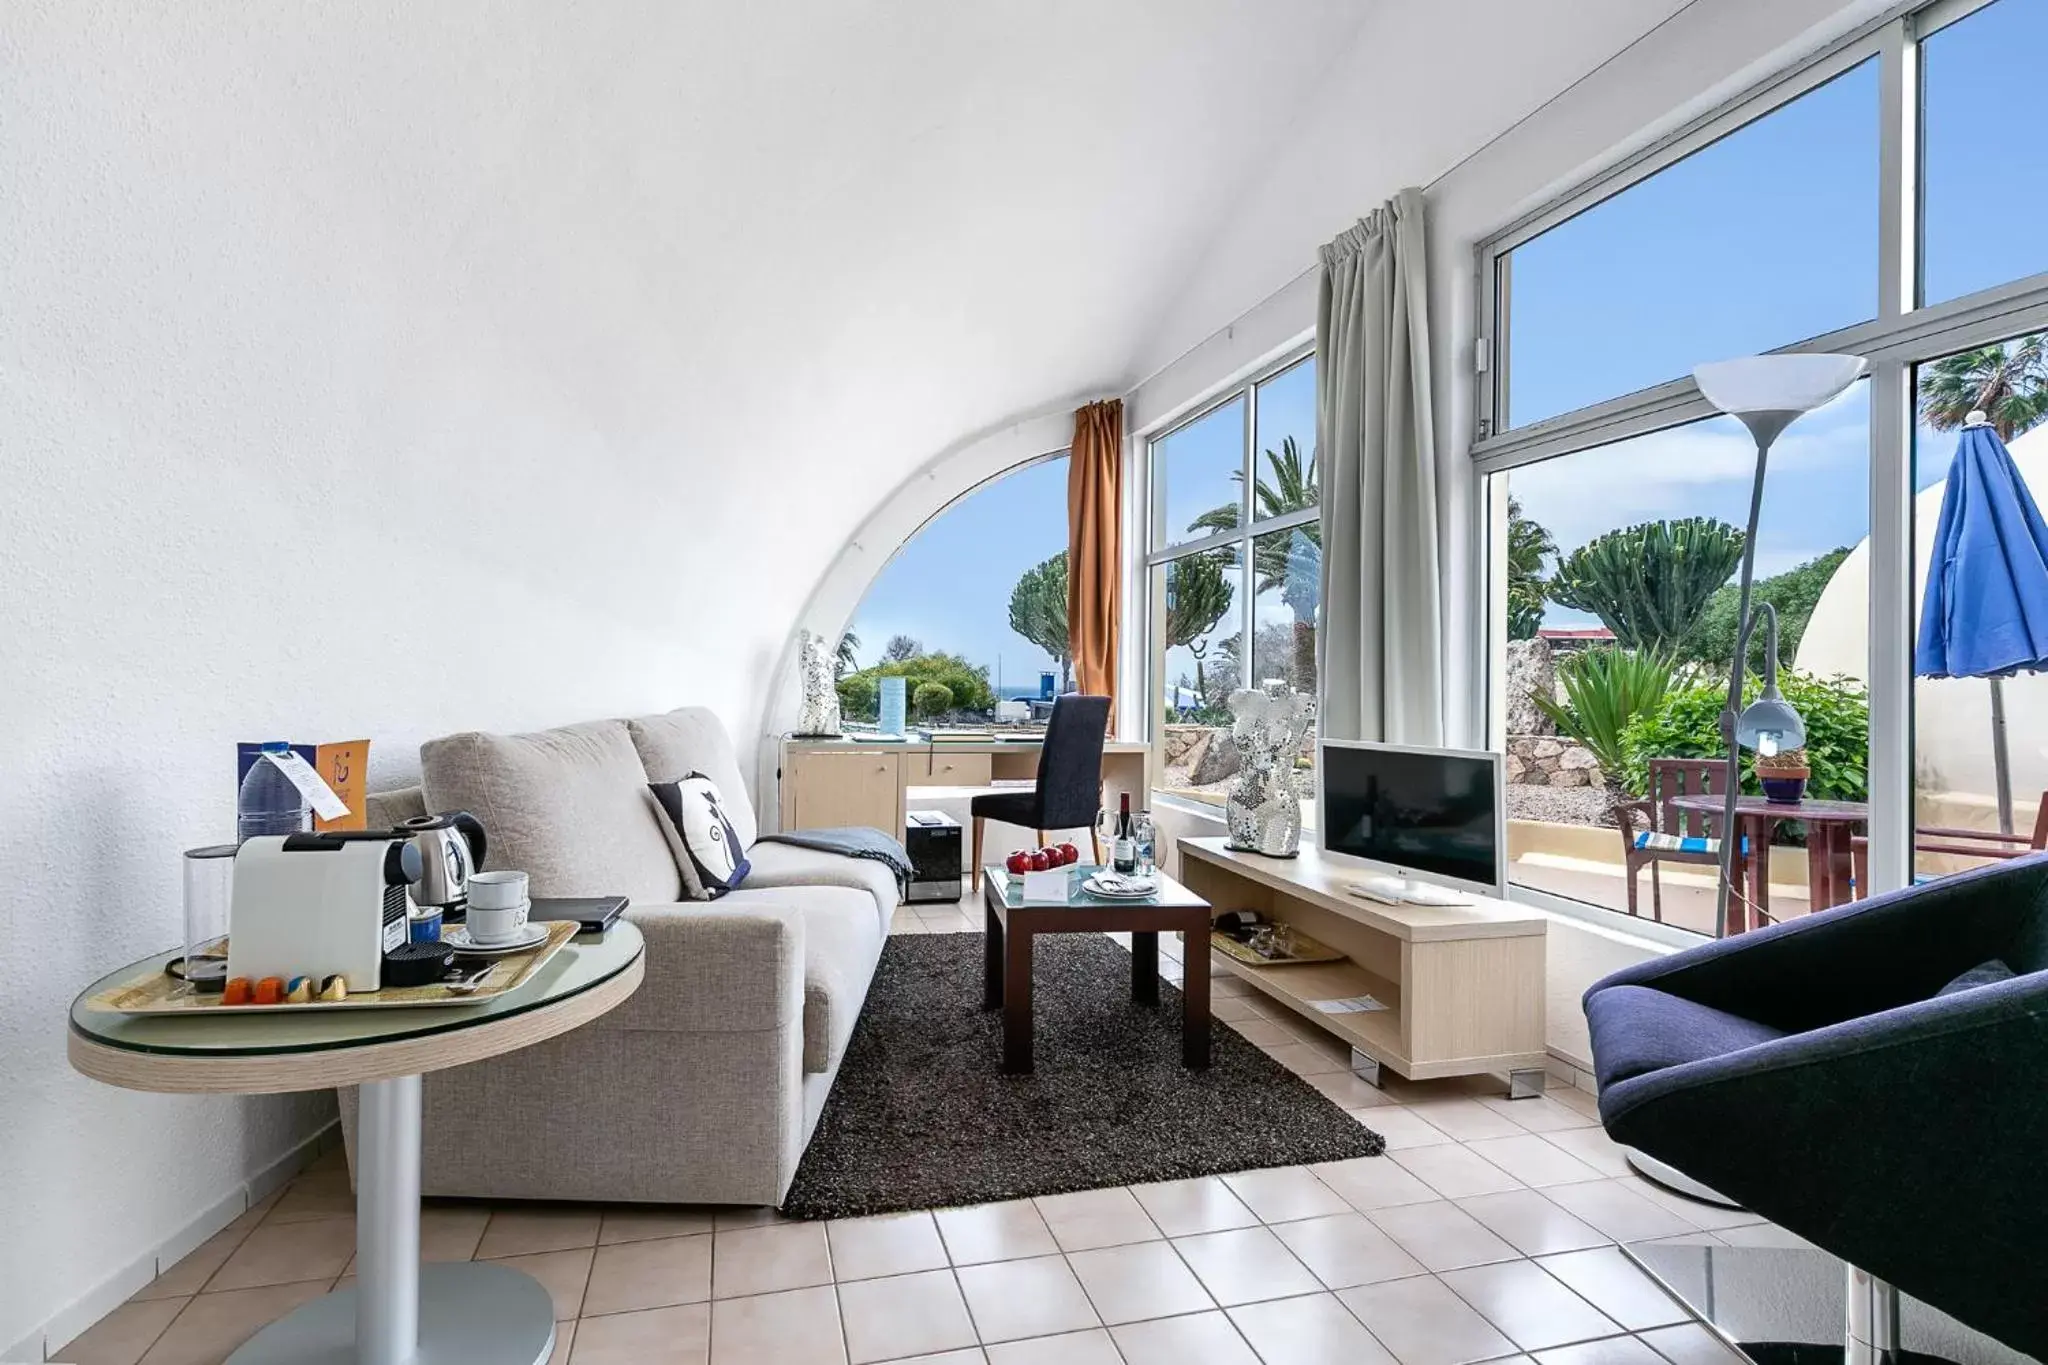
(470, 1313)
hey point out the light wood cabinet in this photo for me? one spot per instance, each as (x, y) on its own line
(956, 770)
(826, 789)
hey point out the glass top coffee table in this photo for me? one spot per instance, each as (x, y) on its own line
(1013, 922)
(396, 1313)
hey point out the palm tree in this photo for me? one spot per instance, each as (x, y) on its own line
(847, 660)
(1529, 545)
(2008, 382)
(1290, 561)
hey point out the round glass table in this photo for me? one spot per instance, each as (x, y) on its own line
(470, 1313)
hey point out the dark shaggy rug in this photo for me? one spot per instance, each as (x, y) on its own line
(922, 1116)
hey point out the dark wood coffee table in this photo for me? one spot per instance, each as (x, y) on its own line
(1013, 922)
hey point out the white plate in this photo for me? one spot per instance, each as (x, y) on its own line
(457, 937)
(1138, 893)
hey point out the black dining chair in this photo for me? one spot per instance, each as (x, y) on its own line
(1068, 792)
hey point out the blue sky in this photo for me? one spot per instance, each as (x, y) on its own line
(1765, 238)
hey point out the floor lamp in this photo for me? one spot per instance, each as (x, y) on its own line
(1766, 393)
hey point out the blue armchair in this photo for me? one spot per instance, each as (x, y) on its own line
(1873, 1078)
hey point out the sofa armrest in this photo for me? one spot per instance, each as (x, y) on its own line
(715, 970)
(1859, 959)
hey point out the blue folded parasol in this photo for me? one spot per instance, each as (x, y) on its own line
(1986, 610)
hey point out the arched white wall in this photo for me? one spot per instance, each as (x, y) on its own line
(937, 485)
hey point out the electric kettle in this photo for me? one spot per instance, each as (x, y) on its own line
(451, 847)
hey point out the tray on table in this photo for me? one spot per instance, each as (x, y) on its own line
(1306, 949)
(156, 992)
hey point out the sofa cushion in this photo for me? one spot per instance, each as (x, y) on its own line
(1637, 1030)
(841, 946)
(382, 810)
(688, 740)
(569, 807)
(778, 864)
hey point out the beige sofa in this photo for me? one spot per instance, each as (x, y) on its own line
(706, 1085)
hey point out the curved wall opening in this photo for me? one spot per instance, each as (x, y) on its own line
(973, 604)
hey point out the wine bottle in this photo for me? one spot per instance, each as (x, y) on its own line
(1124, 849)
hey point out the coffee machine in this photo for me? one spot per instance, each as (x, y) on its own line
(320, 905)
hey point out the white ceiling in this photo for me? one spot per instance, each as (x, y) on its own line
(715, 276)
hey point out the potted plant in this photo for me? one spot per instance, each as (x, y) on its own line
(1783, 776)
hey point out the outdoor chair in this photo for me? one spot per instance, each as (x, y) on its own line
(1967, 843)
(1671, 835)
(1868, 1078)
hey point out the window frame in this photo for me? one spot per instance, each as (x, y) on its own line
(1157, 554)
(1902, 336)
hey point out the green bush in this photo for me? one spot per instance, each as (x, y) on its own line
(1794, 594)
(966, 685)
(931, 700)
(1688, 725)
(1604, 690)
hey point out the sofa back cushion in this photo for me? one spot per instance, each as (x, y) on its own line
(569, 807)
(689, 740)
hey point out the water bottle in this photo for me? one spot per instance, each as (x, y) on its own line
(269, 802)
(1146, 836)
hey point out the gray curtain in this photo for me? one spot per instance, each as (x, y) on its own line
(1381, 643)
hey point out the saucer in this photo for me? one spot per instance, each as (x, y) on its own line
(532, 936)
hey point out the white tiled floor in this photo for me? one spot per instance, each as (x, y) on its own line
(1486, 1232)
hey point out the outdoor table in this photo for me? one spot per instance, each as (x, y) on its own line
(1830, 879)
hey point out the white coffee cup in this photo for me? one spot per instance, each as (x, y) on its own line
(498, 890)
(494, 924)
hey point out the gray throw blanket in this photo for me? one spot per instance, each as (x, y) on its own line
(854, 841)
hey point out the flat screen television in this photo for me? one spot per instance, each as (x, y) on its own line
(1430, 813)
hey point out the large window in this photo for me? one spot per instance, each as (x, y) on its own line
(1765, 237)
(972, 611)
(1626, 557)
(1800, 218)
(1235, 556)
(1983, 225)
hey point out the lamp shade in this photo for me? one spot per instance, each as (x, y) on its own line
(1769, 725)
(1777, 383)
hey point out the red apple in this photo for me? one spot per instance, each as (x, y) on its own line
(1041, 860)
(1018, 863)
(1069, 854)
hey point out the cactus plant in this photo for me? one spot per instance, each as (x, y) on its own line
(1650, 584)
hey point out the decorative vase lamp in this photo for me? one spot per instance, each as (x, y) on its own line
(1766, 393)
(819, 716)
(1263, 810)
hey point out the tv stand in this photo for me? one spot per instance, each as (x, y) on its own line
(1463, 985)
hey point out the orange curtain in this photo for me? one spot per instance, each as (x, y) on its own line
(1095, 565)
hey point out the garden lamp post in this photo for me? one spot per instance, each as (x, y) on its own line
(1766, 393)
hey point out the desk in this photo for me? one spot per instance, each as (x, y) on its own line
(827, 783)
(1829, 871)
(396, 1313)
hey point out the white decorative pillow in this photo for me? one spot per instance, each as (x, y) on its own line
(707, 849)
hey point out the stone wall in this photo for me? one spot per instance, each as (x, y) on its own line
(1549, 761)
